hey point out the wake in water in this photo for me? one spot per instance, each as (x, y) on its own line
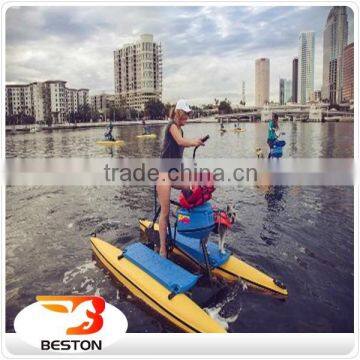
(215, 311)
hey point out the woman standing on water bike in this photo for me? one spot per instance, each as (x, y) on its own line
(273, 127)
(170, 176)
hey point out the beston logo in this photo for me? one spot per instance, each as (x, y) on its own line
(70, 323)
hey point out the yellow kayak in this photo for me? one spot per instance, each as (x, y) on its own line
(233, 269)
(179, 310)
(147, 136)
(111, 143)
(239, 130)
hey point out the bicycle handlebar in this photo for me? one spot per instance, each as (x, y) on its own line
(204, 139)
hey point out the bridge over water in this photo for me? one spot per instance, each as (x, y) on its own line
(298, 112)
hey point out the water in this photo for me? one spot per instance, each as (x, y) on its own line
(302, 235)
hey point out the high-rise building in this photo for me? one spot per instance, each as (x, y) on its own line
(316, 96)
(55, 100)
(306, 66)
(285, 91)
(44, 100)
(281, 91)
(243, 93)
(102, 104)
(83, 97)
(348, 73)
(38, 103)
(262, 81)
(138, 72)
(335, 40)
(71, 100)
(18, 99)
(294, 95)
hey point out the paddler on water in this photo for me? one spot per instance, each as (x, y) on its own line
(273, 128)
(171, 156)
(108, 133)
(145, 127)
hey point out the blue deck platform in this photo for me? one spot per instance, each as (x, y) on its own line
(192, 247)
(172, 276)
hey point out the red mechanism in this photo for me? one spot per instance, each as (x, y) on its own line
(202, 189)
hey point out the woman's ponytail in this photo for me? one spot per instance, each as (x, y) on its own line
(172, 113)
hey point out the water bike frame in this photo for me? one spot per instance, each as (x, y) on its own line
(202, 234)
(277, 149)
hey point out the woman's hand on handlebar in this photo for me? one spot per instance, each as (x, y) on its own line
(198, 142)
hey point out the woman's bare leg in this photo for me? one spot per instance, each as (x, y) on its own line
(163, 188)
(183, 183)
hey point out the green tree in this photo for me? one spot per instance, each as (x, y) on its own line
(83, 114)
(207, 106)
(28, 119)
(71, 117)
(225, 107)
(11, 120)
(48, 120)
(95, 115)
(134, 114)
(155, 109)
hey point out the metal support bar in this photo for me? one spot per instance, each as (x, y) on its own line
(206, 256)
(157, 213)
(155, 199)
(171, 242)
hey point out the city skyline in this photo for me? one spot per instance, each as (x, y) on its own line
(203, 47)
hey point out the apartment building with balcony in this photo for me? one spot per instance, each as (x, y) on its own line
(55, 100)
(72, 102)
(138, 72)
(83, 97)
(48, 100)
(18, 99)
(102, 103)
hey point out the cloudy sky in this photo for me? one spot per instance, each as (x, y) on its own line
(207, 51)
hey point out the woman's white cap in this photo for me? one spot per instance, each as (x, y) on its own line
(183, 105)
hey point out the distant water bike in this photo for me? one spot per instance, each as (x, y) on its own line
(110, 142)
(147, 136)
(276, 150)
(165, 285)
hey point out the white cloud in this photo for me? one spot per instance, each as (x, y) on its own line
(208, 51)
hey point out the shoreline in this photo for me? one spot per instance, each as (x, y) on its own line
(88, 125)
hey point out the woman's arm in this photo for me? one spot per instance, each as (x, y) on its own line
(176, 133)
